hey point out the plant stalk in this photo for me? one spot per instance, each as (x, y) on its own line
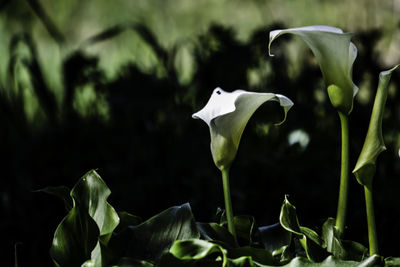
(372, 236)
(228, 202)
(344, 175)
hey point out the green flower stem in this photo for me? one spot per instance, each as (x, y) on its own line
(344, 175)
(228, 203)
(372, 236)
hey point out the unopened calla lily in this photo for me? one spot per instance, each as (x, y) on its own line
(335, 54)
(373, 144)
(227, 114)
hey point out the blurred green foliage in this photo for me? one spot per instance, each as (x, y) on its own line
(112, 85)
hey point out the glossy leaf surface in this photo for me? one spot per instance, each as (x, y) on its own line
(91, 219)
(150, 239)
(309, 239)
(342, 249)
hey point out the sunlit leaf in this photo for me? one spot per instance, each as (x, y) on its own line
(195, 252)
(392, 262)
(309, 239)
(373, 144)
(330, 261)
(257, 255)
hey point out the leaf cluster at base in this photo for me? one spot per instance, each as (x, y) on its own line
(93, 234)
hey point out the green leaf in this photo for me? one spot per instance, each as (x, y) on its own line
(244, 226)
(341, 249)
(197, 252)
(91, 193)
(150, 239)
(88, 226)
(372, 261)
(373, 144)
(75, 238)
(390, 261)
(216, 232)
(260, 256)
(288, 218)
(335, 55)
(59, 191)
(309, 239)
(194, 252)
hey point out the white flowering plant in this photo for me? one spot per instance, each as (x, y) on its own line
(93, 233)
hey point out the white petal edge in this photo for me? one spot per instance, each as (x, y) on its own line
(222, 103)
(321, 28)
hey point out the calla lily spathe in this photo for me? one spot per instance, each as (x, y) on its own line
(374, 144)
(335, 54)
(227, 114)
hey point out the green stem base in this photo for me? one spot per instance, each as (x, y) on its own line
(228, 203)
(372, 236)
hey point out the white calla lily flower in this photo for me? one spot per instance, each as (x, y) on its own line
(335, 54)
(227, 114)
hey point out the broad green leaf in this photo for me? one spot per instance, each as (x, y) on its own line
(244, 261)
(373, 144)
(341, 249)
(227, 114)
(195, 252)
(288, 218)
(90, 221)
(74, 239)
(150, 239)
(203, 253)
(335, 55)
(330, 261)
(59, 191)
(91, 193)
(244, 226)
(309, 239)
(88, 263)
(216, 232)
(258, 255)
(389, 262)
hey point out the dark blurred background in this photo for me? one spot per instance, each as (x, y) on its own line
(111, 85)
